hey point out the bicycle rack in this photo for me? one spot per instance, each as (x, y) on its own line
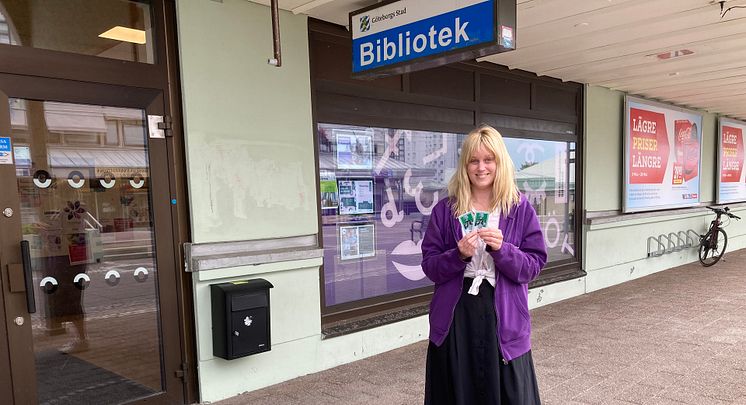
(685, 244)
(672, 242)
(670, 245)
(658, 251)
(678, 242)
(693, 241)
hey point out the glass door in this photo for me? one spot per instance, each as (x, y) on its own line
(84, 276)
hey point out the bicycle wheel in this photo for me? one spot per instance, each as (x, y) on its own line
(709, 254)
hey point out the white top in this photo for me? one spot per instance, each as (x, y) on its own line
(482, 267)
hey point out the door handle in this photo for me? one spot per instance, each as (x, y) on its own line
(28, 277)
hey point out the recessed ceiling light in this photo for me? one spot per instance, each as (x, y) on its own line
(582, 24)
(673, 74)
(125, 34)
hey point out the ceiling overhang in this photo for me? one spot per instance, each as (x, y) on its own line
(616, 43)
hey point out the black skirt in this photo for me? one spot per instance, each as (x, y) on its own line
(66, 302)
(468, 367)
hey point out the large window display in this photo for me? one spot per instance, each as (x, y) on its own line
(379, 185)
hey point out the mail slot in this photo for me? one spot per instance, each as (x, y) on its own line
(240, 318)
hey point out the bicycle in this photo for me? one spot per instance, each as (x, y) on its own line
(713, 243)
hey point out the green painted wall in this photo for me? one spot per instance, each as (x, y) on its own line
(251, 164)
(709, 157)
(603, 145)
(248, 124)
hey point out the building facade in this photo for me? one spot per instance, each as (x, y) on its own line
(146, 171)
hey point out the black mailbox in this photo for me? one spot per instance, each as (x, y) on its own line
(240, 318)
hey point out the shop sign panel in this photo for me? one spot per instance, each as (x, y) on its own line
(662, 156)
(6, 152)
(409, 35)
(731, 176)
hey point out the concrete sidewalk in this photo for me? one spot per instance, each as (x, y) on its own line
(675, 337)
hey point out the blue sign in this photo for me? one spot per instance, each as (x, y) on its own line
(6, 154)
(453, 30)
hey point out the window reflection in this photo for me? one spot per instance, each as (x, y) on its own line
(377, 188)
(545, 173)
(369, 252)
(5, 37)
(116, 29)
(85, 212)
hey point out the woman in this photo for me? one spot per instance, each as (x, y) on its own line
(480, 332)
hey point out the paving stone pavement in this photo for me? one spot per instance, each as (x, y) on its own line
(674, 337)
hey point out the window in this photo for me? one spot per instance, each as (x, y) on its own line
(115, 29)
(545, 173)
(378, 187)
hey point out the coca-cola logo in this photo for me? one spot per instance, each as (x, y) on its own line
(686, 146)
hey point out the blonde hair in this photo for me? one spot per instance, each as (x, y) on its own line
(504, 190)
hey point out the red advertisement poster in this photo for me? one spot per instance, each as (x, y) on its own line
(77, 248)
(662, 157)
(731, 158)
(648, 147)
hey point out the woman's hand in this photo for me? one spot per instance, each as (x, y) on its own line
(493, 237)
(467, 246)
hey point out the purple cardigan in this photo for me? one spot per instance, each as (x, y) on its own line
(518, 262)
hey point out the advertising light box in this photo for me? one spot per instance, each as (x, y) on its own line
(662, 156)
(408, 35)
(731, 184)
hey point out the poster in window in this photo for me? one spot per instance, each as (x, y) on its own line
(354, 149)
(355, 196)
(77, 248)
(731, 176)
(329, 190)
(357, 241)
(661, 156)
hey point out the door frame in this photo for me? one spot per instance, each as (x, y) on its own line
(20, 338)
(51, 75)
